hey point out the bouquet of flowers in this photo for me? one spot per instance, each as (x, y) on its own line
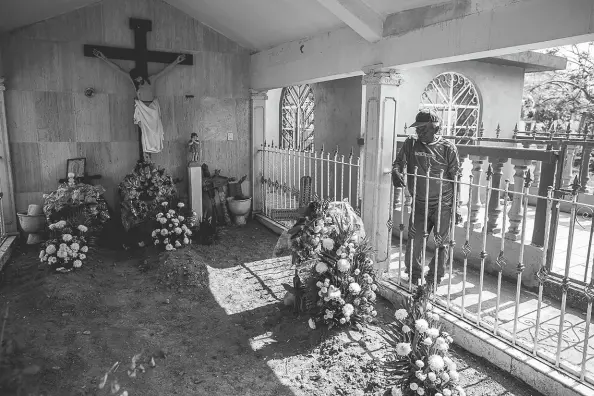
(421, 364)
(78, 200)
(142, 191)
(173, 227)
(340, 289)
(67, 247)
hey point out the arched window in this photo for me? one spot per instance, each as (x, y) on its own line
(456, 100)
(297, 117)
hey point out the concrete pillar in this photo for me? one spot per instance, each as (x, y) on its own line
(495, 208)
(6, 181)
(476, 205)
(515, 211)
(568, 166)
(585, 169)
(381, 100)
(258, 101)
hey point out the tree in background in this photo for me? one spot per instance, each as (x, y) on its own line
(559, 94)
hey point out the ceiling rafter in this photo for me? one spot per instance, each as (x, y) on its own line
(358, 16)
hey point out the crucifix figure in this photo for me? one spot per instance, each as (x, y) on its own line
(147, 113)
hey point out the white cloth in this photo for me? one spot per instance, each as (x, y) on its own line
(149, 119)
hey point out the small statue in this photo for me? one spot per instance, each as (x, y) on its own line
(194, 146)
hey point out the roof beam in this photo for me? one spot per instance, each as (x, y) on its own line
(358, 16)
(508, 26)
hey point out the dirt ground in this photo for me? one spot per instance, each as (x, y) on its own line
(211, 316)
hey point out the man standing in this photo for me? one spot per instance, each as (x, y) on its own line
(428, 151)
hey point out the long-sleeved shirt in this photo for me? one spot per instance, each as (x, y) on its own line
(439, 155)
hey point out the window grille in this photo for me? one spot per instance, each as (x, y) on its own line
(297, 118)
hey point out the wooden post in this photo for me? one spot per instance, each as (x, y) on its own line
(381, 99)
(6, 180)
(515, 215)
(495, 209)
(258, 101)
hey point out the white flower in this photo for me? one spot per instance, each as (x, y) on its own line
(62, 254)
(355, 288)
(328, 243)
(82, 228)
(157, 242)
(171, 211)
(447, 392)
(452, 366)
(454, 376)
(177, 244)
(186, 241)
(177, 230)
(432, 377)
(441, 344)
(342, 320)
(343, 265)
(70, 175)
(168, 247)
(77, 264)
(421, 391)
(321, 267)
(428, 341)
(164, 232)
(52, 260)
(333, 292)
(317, 229)
(403, 349)
(181, 218)
(450, 339)
(75, 246)
(435, 317)
(348, 310)
(396, 391)
(167, 215)
(67, 237)
(154, 234)
(180, 205)
(319, 285)
(414, 386)
(445, 376)
(421, 325)
(51, 249)
(159, 215)
(436, 363)
(438, 394)
(162, 220)
(419, 374)
(433, 332)
(82, 256)
(326, 282)
(311, 323)
(164, 204)
(401, 314)
(42, 254)
(374, 287)
(84, 249)
(406, 329)
(357, 272)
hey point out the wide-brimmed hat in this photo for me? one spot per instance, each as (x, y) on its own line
(425, 117)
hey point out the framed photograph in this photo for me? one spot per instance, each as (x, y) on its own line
(76, 166)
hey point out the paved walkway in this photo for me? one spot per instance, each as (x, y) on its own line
(573, 334)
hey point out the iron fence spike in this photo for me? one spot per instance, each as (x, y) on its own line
(489, 172)
(498, 131)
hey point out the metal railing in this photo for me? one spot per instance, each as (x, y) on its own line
(290, 179)
(464, 292)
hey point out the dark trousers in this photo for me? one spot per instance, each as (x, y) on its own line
(415, 242)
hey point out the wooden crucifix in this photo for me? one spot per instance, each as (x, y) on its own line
(147, 113)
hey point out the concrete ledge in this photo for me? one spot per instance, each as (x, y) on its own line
(542, 377)
(6, 250)
(271, 224)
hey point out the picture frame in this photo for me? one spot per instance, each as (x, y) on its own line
(76, 166)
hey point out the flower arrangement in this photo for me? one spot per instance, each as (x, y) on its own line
(341, 279)
(142, 191)
(80, 200)
(421, 364)
(173, 227)
(67, 248)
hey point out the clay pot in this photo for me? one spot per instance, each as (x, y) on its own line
(240, 208)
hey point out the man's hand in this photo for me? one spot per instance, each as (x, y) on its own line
(397, 179)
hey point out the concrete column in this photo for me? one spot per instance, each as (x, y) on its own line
(381, 100)
(495, 208)
(258, 101)
(568, 167)
(515, 212)
(476, 206)
(585, 169)
(6, 180)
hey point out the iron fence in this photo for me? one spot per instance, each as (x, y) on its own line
(290, 179)
(552, 332)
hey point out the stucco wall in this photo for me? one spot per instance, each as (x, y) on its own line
(50, 119)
